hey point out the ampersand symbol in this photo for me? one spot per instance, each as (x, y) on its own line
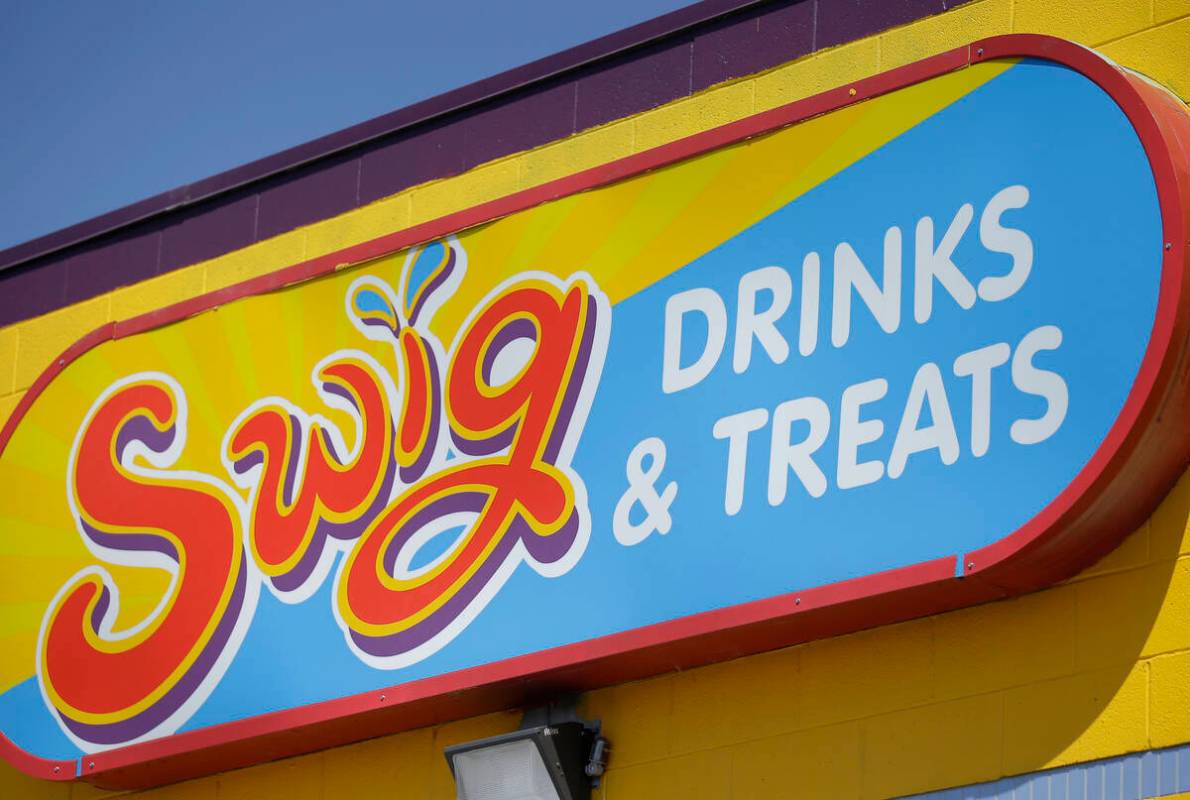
(642, 491)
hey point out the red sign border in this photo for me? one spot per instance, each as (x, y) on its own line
(1140, 458)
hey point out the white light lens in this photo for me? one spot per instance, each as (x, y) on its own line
(511, 771)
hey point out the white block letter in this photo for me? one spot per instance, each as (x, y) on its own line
(978, 365)
(884, 301)
(675, 377)
(762, 325)
(931, 264)
(998, 239)
(785, 455)
(1043, 383)
(735, 430)
(938, 435)
(807, 338)
(853, 433)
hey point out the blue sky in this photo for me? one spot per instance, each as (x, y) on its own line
(106, 103)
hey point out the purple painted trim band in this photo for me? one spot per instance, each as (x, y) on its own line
(614, 76)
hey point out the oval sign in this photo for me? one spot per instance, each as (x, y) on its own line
(907, 354)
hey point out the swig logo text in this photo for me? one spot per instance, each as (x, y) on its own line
(473, 444)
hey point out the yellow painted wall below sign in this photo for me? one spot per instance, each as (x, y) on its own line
(1095, 667)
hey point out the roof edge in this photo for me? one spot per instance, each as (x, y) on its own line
(485, 89)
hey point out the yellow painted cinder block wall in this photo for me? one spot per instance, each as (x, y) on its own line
(1095, 667)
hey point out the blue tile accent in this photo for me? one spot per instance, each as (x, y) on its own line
(1113, 784)
(986, 791)
(1167, 773)
(997, 790)
(1135, 776)
(1131, 786)
(1008, 786)
(1095, 782)
(1148, 774)
(1059, 779)
(1184, 769)
(1077, 783)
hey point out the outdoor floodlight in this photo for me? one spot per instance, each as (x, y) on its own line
(546, 762)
